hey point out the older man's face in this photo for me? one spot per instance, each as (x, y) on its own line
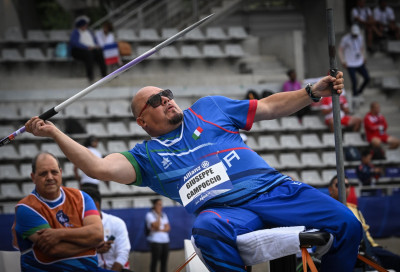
(47, 177)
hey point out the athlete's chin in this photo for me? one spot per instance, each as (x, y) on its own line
(176, 118)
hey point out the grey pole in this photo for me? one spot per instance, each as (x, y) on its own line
(336, 108)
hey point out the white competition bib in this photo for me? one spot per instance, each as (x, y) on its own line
(203, 182)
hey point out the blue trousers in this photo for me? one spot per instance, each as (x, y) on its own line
(289, 204)
(362, 70)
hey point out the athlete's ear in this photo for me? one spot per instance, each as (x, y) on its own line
(141, 122)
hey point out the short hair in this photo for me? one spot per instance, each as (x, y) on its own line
(34, 160)
(333, 179)
(155, 200)
(290, 71)
(366, 152)
(88, 142)
(94, 194)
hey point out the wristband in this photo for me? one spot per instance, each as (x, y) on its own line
(310, 94)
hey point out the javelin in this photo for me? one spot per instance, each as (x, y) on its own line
(336, 108)
(53, 111)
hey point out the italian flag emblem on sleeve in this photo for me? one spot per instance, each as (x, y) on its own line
(197, 133)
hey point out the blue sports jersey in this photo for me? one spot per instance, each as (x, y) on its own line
(209, 128)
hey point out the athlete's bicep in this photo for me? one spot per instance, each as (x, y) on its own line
(119, 169)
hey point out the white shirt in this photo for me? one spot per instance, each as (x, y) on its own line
(361, 13)
(119, 251)
(384, 17)
(86, 38)
(103, 39)
(352, 50)
(157, 236)
(85, 178)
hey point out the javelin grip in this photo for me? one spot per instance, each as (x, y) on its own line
(48, 114)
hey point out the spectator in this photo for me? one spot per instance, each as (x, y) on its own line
(384, 257)
(84, 47)
(56, 228)
(106, 39)
(366, 171)
(385, 20)
(352, 57)
(84, 180)
(114, 253)
(158, 224)
(363, 16)
(205, 140)
(293, 84)
(347, 120)
(251, 94)
(375, 126)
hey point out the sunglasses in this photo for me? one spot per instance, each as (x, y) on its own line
(345, 185)
(155, 100)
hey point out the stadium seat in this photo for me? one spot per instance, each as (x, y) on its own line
(310, 141)
(393, 156)
(215, 33)
(96, 108)
(190, 52)
(237, 33)
(132, 143)
(293, 174)
(6, 130)
(328, 174)
(28, 110)
(290, 142)
(59, 35)
(127, 35)
(135, 129)
(36, 35)
(168, 33)
(114, 146)
(142, 202)
(354, 138)
(328, 140)
(234, 50)
(27, 188)
(76, 109)
(212, 51)
(11, 54)
(118, 188)
(271, 160)
(34, 54)
(289, 160)
(268, 142)
(28, 150)
(10, 190)
(121, 203)
(68, 170)
(72, 184)
(9, 152)
(102, 149)
(13, 34)
(183, 103)
(252, 142)
(311, 159)
(329, 158)
(96, 129)
(53, 149)
(169, 52)
(291, 123)
(117, 129)
(313, 122)
(148, 35)
(119, 108)
(104, 188)
(8, 112)
(141, 49)
(195, 35)
(25, 170)
(312, 177)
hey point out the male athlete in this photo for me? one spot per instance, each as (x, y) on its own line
(198, 158)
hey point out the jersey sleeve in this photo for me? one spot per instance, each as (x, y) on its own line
(240, 112)
(90, 207)
(28, 221)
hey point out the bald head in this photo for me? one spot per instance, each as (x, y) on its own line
(375, 108)
(140, 99)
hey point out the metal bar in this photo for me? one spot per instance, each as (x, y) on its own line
(336, 108)
(53, 111)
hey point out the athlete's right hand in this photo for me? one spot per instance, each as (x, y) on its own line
(38, 127)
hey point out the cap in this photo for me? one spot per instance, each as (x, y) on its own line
(81, 20)
(355, 30)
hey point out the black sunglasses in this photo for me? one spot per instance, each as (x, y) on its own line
(345, 185)
(155, 100)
